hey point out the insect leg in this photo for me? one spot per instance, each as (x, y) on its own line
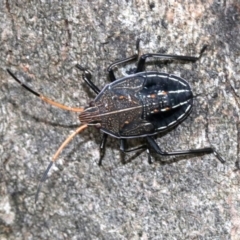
(102, 147)
(87, 78)
(157, 149)
(125, 149)
(142, 59)
(126, 60)
(113, 65)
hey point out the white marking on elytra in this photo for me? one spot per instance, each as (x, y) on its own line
(161, 93)
(180, 104)
(155, 75)
(171, 123)
(180, 116)
(175, 106)
(176, 80)
(171, 77)
(187, 108)
(164, 109)
(162, 127)
(179, 91)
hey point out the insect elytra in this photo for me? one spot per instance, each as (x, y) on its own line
(141, 104)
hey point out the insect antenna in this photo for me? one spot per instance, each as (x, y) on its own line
(55, 156)
(68, 139)
(45, 99)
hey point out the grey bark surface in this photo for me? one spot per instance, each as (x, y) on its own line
(187, 197)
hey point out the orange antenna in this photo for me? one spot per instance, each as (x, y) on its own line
(68, 139)
(45, 99)
(64, 144)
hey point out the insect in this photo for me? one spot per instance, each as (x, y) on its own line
(139, 105)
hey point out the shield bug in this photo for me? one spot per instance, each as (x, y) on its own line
(140, 105)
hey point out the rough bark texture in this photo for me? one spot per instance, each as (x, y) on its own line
(187, 197)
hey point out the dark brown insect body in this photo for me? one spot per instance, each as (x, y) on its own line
(139, 105)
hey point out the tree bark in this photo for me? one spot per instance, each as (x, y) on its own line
(186, 197)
